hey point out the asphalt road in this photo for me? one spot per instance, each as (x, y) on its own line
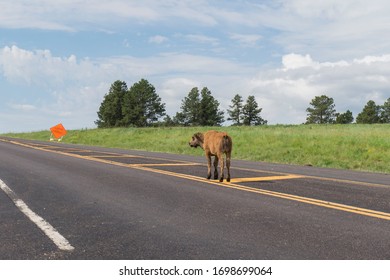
(119, 204)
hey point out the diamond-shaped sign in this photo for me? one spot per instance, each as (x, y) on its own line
(58, 131)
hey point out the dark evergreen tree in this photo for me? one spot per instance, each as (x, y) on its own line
(110, 112)
(344, 118)
(385, 112)
(190, 109)
(322, 110)
(199, 109)
(141, 105)
(251, 112)
(370, 113)
(179, 119)
(168, 121)
(210, 115)
(236, 110)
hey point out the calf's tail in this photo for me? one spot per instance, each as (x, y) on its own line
(226, 144)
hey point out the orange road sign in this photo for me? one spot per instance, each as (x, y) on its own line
(58, 131)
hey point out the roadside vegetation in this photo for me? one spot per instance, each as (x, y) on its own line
(350, 146)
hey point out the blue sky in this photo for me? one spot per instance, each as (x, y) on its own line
(59, 58)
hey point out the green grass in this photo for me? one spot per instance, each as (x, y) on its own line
(357, 147)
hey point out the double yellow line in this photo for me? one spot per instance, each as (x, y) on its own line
(231, 185)
(317, 202)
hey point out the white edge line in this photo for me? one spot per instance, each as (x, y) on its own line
(47, 228)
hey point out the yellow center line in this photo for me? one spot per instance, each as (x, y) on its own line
(266, 178)
(70, 150)
(366, 184)
(231, 185)
(163, 164)
(115, 156)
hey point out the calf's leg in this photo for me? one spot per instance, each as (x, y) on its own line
(222, 165)
(216, 168)
(208, 166)
(228, 156)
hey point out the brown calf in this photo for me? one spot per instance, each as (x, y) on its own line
(216, 144)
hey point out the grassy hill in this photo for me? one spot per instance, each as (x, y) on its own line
(358, 147)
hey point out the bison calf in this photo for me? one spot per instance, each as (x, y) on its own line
(216, 144)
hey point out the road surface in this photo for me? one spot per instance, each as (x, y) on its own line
(61, 201)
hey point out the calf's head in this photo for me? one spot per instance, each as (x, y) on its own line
(196, 140)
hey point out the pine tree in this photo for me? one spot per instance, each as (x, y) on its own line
(110, 112)
(199, 109)
(251, 112)
(370, 113)
(236, 112)
(322, 110)
(190, 109)
(141, 105)
(344, 118)
(210, 115)
(385, 112)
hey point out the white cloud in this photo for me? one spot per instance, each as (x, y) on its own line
(332, 29)
(202, 39)
(40, 67)
(22, 107)
(246, 39)
(73, 15)
(372, 59)
(173, 91)
(295, 61)
(158, 39)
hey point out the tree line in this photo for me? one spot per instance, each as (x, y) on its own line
(141, 106)
(322, 111)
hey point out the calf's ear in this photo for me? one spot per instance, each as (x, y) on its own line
(199, 136)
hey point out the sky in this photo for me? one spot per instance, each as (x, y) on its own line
(59, 58)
